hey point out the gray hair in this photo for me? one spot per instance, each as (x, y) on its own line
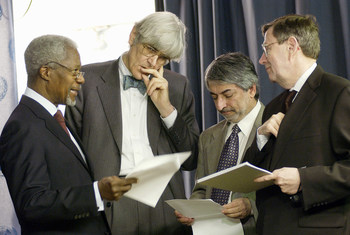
(233, 68)
(303, 27)
(45, 49)
(165, 32)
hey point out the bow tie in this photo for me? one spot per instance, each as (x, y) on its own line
(129, 81)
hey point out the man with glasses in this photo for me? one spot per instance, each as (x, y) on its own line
(305, 138)
(46, 169)
(131, 109)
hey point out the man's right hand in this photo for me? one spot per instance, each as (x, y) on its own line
(184, 220)
(112, 187)
(272, 125)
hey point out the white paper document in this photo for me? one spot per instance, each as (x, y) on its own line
(153, 176)
(208, 218)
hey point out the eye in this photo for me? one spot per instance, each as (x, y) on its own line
(153, 50)
(215, 97)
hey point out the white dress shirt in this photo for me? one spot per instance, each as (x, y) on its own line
(135, 144)
(245, 125)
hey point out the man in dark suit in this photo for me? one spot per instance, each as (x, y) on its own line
(233, 84)
(46, 169)
(306, 146)
(120, 125)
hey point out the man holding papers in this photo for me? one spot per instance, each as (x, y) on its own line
(131, 109)
(306, 146)
(233, 83)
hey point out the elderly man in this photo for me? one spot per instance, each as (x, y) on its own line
(132, 108)
(46, 168)
(305, 138)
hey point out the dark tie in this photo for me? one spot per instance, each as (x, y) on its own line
(129, 81)
(289, 99)
(228, 158)
(60, 119)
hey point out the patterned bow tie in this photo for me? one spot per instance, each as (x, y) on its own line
(129, 81)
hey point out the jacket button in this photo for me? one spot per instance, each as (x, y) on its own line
(108, 204)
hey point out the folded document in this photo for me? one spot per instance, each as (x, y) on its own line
(239, 178)
(153, 176)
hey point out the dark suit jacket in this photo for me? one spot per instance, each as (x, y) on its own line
(211, 143)
(49, 182)
(314, 136)
(98, 121)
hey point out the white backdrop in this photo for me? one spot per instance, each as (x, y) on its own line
(8, 101)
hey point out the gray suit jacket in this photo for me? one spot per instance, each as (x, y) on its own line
(98, 121)
(211, 142)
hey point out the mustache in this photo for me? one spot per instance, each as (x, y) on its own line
(227, 110)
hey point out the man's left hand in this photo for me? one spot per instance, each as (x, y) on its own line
(239, 208)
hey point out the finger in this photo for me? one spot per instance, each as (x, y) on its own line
(154, 72)
(265, 178)
(130, 181)
(161, 71)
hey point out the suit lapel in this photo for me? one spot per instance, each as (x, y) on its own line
(301, 104)
(215, 146)
(53, 126)
(109, 93)
(58, 131)
(154, 125)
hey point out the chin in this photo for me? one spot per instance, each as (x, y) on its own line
(70, 101)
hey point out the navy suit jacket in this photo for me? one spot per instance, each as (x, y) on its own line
(49, 182)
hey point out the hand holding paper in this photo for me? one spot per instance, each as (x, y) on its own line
(153, 175)
(208, 217)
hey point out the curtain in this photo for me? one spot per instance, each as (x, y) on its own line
(8, 100)
(215, 27)
(219, 26)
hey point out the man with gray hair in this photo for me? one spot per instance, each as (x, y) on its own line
(46, 168)
(233, 84)
(132, 108)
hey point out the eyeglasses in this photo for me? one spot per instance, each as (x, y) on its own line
(265, 47)
(75, 72)
(150, 51)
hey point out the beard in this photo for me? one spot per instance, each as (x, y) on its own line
(69, 101)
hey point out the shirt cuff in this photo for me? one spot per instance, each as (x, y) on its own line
(99, 201)
(170, 120)
(261, 140)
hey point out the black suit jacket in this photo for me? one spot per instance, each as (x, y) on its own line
(314, 136)
(49, 182)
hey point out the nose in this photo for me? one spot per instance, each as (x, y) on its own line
(220, 103)
(153, 60)
(80, 79)
(262, 59)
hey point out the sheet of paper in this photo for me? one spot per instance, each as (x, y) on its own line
(207, 216)
(153, 176)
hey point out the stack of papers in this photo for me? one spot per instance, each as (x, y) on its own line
(153, 176)
(239, 178)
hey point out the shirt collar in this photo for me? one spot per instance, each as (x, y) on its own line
(301, 81)
(50, 107)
